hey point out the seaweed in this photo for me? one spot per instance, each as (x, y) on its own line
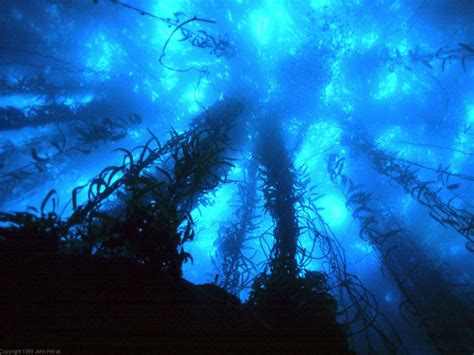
(403, 172)
(219, 46)
(278, 175)
(233, 268)
(286, 300)
(358, 308)
(463, 53)
(13, 118)
(45, 154)
(428, 296)
(33, 231)
(159, 203)
(157, 189)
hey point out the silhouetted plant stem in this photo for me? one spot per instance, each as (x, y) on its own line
(278, 175)
(234, 269)
(427, 294)
(402, 172)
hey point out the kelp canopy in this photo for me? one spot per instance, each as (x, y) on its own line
(309, 162)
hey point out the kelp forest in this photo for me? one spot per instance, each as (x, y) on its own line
(236, 176)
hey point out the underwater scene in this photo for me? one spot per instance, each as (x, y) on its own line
(237, 176)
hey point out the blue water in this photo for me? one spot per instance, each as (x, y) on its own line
(402, 71)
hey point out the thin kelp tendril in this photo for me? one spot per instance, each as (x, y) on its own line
(422, 283)
(219, 46)
(359, 306)
(233, 267)
(403, 172)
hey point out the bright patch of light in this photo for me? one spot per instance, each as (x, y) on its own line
(403, 46)
(168, 9)
(169, 80)
(229, 16)
(406, 88)
(329, 92)
(369, 39)
(336, 91)
(390, 134)
(365, 248)
(395, 6)
(208, 218)
(407, 202)
(103, 53)
(75, 101)
(260, 22)
(334, 210)
(470, 114)
(194, 96)
(271, 23)
(389, 140)
(135, 133)
(463, 141)
(387, 86)
(321, 137)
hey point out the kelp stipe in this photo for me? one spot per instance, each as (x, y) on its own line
(158, 204)
(233, 268)
(157, 186)
(427, 295)
(277, 173)
(289, 302)
(365, 323)
(445, 211)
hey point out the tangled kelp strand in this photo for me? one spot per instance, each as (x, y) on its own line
(428, 297)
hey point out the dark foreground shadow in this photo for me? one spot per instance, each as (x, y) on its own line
(85, 304)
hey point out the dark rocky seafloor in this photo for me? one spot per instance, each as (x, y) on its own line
(80, 304)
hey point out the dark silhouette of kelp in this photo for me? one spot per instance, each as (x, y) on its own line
(358, 308)
(32, 161)
(113, 267)
(403, 172)
(32, 232)
(218, 46)
(284, 299)
(463, 54)
(233, 266)
(428, 295)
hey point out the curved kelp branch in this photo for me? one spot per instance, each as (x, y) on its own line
(187, 34)
(358, 307)
(141, 208)
(403, 172)
(222, 117)
(219, 46)
(428, 296)
(24, 165)
(462, 54)
(37, 232)
(156, 220)
(233, 267)
(157, 189)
